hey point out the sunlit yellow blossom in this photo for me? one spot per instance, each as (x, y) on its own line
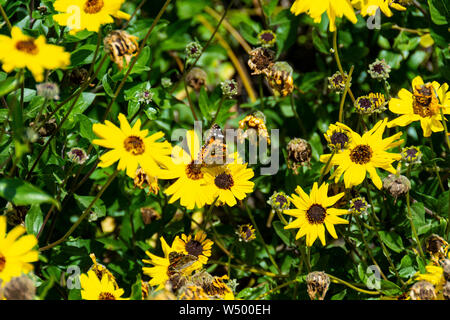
(87, 14)
(313, 213)
(15, 253)
(95, 289)
(364, 154)
(132, 148)
(197, 246)
(333, 8)
(22, 51)
(423, 105)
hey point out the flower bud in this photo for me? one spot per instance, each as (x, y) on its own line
(280, 78)
(193, 50)
(279, 201)
(229, 88)
(77, 155)
(379, 70)
(246, 233)
(267, 38)
(337, 82)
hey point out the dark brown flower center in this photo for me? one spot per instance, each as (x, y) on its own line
(106, 296)
(365, 103)
(246, 232)
(361, 154)
(267, 36)
(281, 200)
(424, 103)
(27, 46)
(93, 6)
(411, 153)
(135, 145)
(378, 68)
(339, 138)
(2, 262)
(338, 80)
(316, 214)
(194, 248)
(224, 181)
(358, 205)
(193, 171)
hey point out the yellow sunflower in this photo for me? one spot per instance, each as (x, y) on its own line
(230, 182)
(159, 271)
(190, 186)
(423, 105)
(197, 246)
(87, 14)
(15, 254)
(132, 147)
(313, 213)
(434, 275)
(92, 288)
(364, 154)
(22, 51)
(333, 8)
(370, 7)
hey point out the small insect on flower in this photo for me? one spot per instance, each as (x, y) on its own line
(77, 155)
(411, 155)
(317, 284)
(261, 60)
(359, 206)
(229, 88)
(246, 233)
(253, 126)
(48, 90)
(121, 46)
(337, 82)
(379, 70)
(299, 154)
(267, 38)
(280, 78)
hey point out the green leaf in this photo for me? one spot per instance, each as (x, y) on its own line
(392, 240)
(34, 220)
(22, 193)
(439, 12)
(284, 234)
(98, 210)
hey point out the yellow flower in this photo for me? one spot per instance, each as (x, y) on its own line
(190, 186)
(246, 233)
(369, 7)
(230, 182)
(365, 154)
(313, 213)
(434, 275)
(94, 289)
(423, 105)
(159, 271)
(132, 147)
(87, 14)
(333, 8)
(198, 246)
(15, 254)
(22, 51)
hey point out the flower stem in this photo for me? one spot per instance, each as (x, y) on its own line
(250, 215)
(85, 213)
(347, 87)
(297, 117)
(338, 62)
(5, 16)
(447, 137)
(337, 280)
(325, 169)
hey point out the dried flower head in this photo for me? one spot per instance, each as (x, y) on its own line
(396, 185)
(337, 82)
(196, 78)
(149, 215)
(445, 264)
(261, 60)
(229, 88)
(411, 155)
(48, 90)
(193, 50)
(253, 126)
(338, 136)
(267, 38)
(317, 284)
(379, 70)
(143, 180)
(436, 246)
(18, 288)
(446, 291)
(279, 201)
(246, 233)
(280, 78)
(121, 47)
(422, 290)
(359, 206)
(77, 155)
(299, 154)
